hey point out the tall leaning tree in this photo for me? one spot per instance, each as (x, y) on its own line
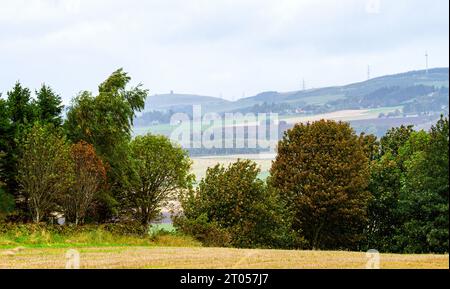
(162, 170)
(322, 170)
(45, 169)
(105, 120)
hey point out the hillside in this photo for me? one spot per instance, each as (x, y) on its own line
(176, 102)
(419, 90)
(385, 91)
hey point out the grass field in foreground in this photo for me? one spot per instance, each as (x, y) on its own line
(212, 258)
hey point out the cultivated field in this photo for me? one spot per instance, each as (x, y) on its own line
(211, 258)
(343, 115)
(201, 164)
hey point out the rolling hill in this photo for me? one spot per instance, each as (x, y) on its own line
(178, 102)
(391, 90)
(416, 87)
(415, 98)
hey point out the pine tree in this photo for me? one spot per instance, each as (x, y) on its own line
(49, 106)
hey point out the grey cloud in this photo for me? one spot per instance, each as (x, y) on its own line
(213, 47)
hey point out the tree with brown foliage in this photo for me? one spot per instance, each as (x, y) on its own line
(322, 171)
(90, 179)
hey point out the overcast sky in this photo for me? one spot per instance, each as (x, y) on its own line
(222, 48)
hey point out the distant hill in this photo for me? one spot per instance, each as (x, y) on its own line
(417, 91)
(176, 102)
(349, 96)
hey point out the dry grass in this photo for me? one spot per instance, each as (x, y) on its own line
(211, 258)
(343, 115)
(201, 164)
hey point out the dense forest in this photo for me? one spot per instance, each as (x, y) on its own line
(329, 188)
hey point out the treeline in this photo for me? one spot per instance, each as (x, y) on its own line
(437, 101)
(86, 167)
(415, 99)
(154, 117)
(329, 188)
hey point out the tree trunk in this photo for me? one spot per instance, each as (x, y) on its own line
(315, 243)
(37, 217)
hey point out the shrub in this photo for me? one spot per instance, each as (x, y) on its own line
(231, 206)
(209, 233)
(6, 204)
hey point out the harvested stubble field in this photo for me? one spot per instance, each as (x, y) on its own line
(201, 164)
(211, 258)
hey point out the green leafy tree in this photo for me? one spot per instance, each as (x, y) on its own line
(394, 139)
(49, 106)
(105, 121)
(6, 200)
(45, 170)
(231, 206)
(383, 215)
(321, 170)
(386, 173)
(424, 201)
(371, 146)
(162, 172)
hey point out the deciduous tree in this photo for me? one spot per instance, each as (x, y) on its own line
(386, 173)
(45, 170)
(424, 198)
(233, 201)
(89, 180)
(162, 170)
(105, 121)
(321, 170)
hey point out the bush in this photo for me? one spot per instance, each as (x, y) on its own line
(130, 228)
(6, 204)
(209, 233)
(232, 207)
(87, 235)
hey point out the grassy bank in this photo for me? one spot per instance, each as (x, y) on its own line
(40, 236)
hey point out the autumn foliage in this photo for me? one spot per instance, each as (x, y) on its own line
(328, 188)
(90, 178)
(322, 171)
